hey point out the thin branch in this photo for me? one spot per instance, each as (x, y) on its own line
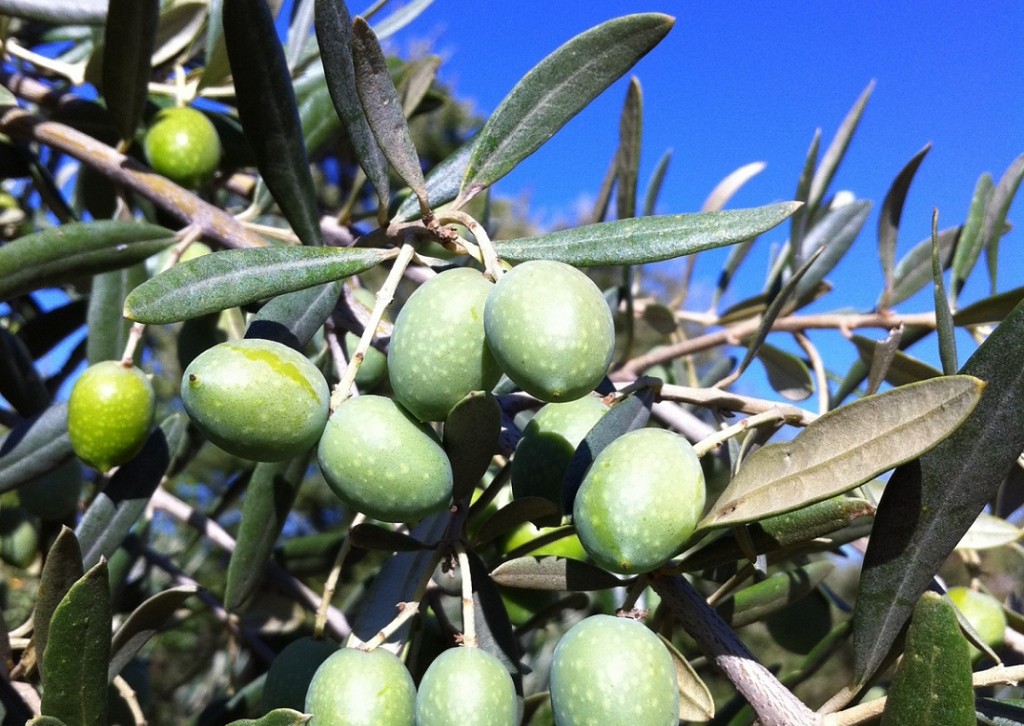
(728, 401)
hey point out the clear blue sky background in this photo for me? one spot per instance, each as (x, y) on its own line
(736, 82)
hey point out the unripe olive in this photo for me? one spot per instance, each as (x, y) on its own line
(358, 688)
(548, 444)
(257, 399)
(381, 461)
(983, 612)
(183, 145)
(19, 537)
(292, 671)
(608, 670)
(54, 496)
(640, 501)
(550, 329)
(469, 687)
(438, 353)
(110, 413)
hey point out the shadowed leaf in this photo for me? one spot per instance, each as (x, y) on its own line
(526, 509)
(776, 592)
(143, 623)
(553, 573)
(470, 439)
(35, 447)
(370, 536)
(129, 41)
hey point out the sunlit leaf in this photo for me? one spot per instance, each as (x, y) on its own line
(943, 315)
(77, 652)
(726, 188)
(991, 309)
(269, 114)
(179, 27)
(443, 183)
(695, 701)
(972, 241)
(845, 448)
(143, 623)
(989, 532)
(798, 221)
(889, 217)
(930, 502)
(835, 232)
(645, 239)
(231, 278)
(914, 271)
(836, 150)
(627, 157)
(402, 16)
(60, 254)
(553, 573)
(35, 447)
(996, 210)
(108, 330)
(788, 375)
(61, 570)
(277, 717)
(654, 185)
(558, 88)
(902, 368)
(84, 12)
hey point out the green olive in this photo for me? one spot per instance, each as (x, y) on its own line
(608, 670)
(381, 461)
(548, 444)
(358, 688)
(640, 501)
(257, 399)
(550, 329)
(110, 413)
(292, 671)
(466, 686)
(438, 353)
(19, 537)
(182, 144)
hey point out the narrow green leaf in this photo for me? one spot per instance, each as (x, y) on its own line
(558, 88)
(470, 439)
(845, 448)
(646, 239)
(989, 532)
(943, 315)
(902, 368)
(277, 717)
(268, 500)
(443, 183)
(80, 12)
(628, 414)
(143, 623)
(35, 447)
(836, 150)
(295, 317)
(401, 17)
(993, 712)
(736, 256)
(889, 217)
(932, 683)
(627, 158)
(298, 32)
(931, 501)
(217, 68)
(553, 573)
(695, 701)
(416, 81)
(525, 509)
(788, 375)
(180, 26)
(991, 309)
(108, 329)
(77, 652)
(20, 383)
(231, 278)
(774, 593)
(781, 531)
(726, 188)
(914, 271)
(269, 114)
(798, 222)
(128, 44)
(494, 632)
(835, 233)
(334, 35)
(996, 210)
(604, 193)
(320, 123)
(59, 254)
(972, 241)
(115, 510)
(62, 569)
(383, 109)
(654, 185)
(369, 536)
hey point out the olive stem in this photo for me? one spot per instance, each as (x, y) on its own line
(706, 445)
(127, 693)
(332, 578)
(331, 333)
(490, 257)
(468, 613)
(384, 297)
(864, 712)
(406, 611)
(818, 366)
(774, 704)
(634, 592)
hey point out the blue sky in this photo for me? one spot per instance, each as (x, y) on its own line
(736, 82)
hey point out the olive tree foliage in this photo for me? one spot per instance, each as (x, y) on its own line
(165, 588)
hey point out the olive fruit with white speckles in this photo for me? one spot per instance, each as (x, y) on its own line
(468, 687)
(382, 462)
(608, 670)
(359, 688)
(548, 444)
(438, 353)
(550, 329)
(640, 501)
(257, 399)
(110, 413)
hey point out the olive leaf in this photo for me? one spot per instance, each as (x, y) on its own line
(442, 182)
(79, 12)
(231, 278)
(470, 439)
(558, 88)
(108, 330)
(695, 701)
(369, 536)
(640, 240)
(295, 317)
(62, 569)
(989, 532)
(128, 45)
(277, 717)
(20, 384)
(989, 310)
(889, 218)
(553, 573)
(513, 514)
(776, 592)
(972, 242)
(143, 623)
(74, 251)
(35, 447)
(845, 448)
(269, 113)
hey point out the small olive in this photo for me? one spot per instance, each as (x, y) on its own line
(469, 687)
(359, 688)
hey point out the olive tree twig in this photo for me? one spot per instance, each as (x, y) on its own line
(714, 398)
